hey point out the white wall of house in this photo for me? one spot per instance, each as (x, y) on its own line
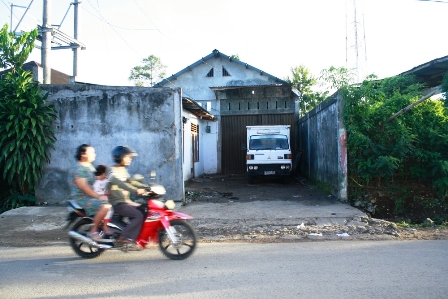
(187, 145)
(207, 163)
(209, 148)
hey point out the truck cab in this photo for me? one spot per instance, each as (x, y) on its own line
(268, 152)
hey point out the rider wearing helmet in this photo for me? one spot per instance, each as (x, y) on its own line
(119, 188)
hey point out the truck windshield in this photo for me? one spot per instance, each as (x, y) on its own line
(268, 142)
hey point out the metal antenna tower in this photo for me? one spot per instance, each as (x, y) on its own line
(355, 40)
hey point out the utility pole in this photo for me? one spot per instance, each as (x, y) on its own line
(75, 36)
(46, 42)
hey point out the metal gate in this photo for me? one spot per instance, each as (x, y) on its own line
(233, 130)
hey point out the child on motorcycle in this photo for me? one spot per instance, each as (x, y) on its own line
(118, 190)
(99, 186)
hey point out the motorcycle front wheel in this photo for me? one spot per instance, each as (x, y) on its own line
(84, 249)
(185, 244)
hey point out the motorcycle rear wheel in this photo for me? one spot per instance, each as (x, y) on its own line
(186, 241)
(83, 249)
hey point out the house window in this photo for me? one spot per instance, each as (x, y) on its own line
(195, 141)
(225, 73)
(210, 73)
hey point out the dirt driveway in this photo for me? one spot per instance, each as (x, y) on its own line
(234, 188)
(225, 188)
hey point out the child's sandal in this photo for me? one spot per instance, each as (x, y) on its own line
(95, 236)
(107, 232)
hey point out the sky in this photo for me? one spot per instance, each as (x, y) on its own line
(393, 36)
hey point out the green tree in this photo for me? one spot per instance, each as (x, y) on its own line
(26, 120)
(444, 87)
(14, 50)
(336, 78)
(149, 73)
(304, 81)
(410, 149)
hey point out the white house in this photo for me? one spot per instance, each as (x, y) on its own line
(226, 87)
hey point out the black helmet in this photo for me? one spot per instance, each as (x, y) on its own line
(120, 151)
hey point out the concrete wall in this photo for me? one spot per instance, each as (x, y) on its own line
(323, 149)
(147, 119)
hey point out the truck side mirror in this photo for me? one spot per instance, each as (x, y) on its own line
(243, 146)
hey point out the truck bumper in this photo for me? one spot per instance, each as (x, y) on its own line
(269, 169)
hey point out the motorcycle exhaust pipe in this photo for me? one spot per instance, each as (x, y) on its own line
(84, 239)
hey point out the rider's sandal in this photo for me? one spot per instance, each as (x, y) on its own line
(95, 236)
(107, 232)
(122, 241)
(136, 247)
(128, 245)
(131, 247)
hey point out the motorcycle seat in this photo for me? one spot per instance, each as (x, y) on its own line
(74, 204)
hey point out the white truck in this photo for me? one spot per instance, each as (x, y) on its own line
(268, 152)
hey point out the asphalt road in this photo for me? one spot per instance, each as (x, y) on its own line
(329, 269)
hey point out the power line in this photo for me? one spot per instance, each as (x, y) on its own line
(107, 22)
(162, 34)
(103, 19)
(6, 5)
(104, 32)
(146, 15)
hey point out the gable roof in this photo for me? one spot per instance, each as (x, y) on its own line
(431, 72)
(215, 54)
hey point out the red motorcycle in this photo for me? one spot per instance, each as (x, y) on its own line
(175, 236)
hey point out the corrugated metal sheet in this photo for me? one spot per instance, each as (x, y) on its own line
(233, 128)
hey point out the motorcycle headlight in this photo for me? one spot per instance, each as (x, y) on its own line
(169, 204)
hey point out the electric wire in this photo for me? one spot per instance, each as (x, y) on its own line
(104, 32)
(14, 15)
(101, 18)
(107, 22)
(6, 5)
(162, 34)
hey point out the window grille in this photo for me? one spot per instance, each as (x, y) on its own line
(225, 72)
(210, 73)
(195, 141)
